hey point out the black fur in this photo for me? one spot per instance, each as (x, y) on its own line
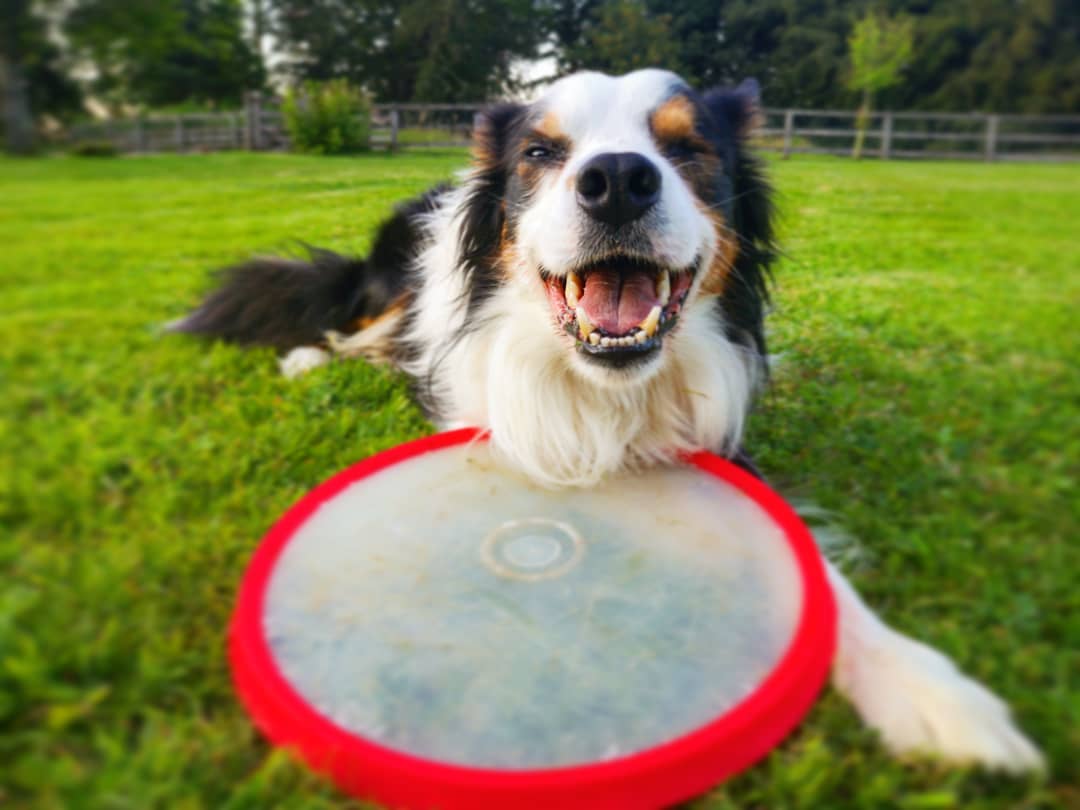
(746, 199)
(485, 207)
(285, 303)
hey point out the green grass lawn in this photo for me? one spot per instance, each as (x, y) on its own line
(928, 395)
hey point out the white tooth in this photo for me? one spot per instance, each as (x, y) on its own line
(594, 338)
(663, 287)
(584, 326)
(651, 322)
(573, 290)
(641, 337)
(606, 341)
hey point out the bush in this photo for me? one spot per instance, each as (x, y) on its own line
(94, 149)
(328, 118)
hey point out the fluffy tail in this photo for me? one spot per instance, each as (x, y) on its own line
(286, 303)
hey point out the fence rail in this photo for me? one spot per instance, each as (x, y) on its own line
(972, 136)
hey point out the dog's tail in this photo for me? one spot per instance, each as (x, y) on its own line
(286, 303)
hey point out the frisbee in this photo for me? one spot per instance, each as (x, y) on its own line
(431, 630)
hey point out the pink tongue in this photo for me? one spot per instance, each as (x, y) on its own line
(617, 302)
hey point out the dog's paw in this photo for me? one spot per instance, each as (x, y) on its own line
(302, 360)
(921, 703)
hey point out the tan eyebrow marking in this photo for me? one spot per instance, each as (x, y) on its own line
(674, 120)
(549, 127)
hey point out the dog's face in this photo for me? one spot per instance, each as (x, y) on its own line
(615, 207)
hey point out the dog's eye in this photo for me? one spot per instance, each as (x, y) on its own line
(681, 150)
(539, 152)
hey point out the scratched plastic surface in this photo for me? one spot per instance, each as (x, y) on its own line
(448, 609)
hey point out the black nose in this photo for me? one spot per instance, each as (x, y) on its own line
(618, 187)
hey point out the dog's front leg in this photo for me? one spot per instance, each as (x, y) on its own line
(916, 698)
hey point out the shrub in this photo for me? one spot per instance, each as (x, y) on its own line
(328, 118)
(94, 149)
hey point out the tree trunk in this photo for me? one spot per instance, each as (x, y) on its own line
(18, 120)
(862, 120)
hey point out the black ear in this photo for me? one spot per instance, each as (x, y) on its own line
(739, 107)
(484, 210)
(484, 205)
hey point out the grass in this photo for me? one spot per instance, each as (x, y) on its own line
(927, 395)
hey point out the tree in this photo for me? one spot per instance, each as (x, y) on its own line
(161, 53)
(32, 78)
(880, 48)
(404, 50)
(623, 36)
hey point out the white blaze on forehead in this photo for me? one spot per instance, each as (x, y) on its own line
(594, 107)
(598, 114)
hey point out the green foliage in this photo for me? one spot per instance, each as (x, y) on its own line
(622, 36)
(926, 396)
(993, 55)
(33, 79)
(162, 53)
(327, 118)
(449, 50)
(94, 149)
(880, 48)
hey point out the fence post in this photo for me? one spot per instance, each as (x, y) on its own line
(179, 133)
(789, 131)
(253, 121)
(990, 151)
(395, 125)
(886, 136)
(140, 134)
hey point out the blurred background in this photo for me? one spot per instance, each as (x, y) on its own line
(67, 63)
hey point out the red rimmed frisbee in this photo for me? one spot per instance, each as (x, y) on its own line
(432, 631)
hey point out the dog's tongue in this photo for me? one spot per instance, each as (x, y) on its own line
(617, 301)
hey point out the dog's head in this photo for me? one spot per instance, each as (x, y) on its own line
(617, 202)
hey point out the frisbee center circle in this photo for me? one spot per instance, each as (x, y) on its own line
(532, 549)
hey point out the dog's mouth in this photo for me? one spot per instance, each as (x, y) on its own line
(621, 306)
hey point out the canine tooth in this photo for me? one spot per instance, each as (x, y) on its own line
(583, 323)
(651, 322)
(594, 338)
(663, 287)
(606, 341)
(641, 337)
(573, 290)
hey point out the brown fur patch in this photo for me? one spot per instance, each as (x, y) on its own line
(674, 120)
(727, 249)
(549, 128)
(376, 338)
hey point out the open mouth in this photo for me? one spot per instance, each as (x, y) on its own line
(620, 306)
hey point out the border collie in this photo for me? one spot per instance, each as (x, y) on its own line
(593, 294)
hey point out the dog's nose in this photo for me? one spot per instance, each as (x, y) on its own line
(618, 187)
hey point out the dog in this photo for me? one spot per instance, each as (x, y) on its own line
(593, 293)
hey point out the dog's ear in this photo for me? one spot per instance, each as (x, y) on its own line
(484, 207)
(491, 129)
(485, 202)
(739, 107)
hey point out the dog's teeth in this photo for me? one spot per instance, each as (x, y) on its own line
(651, 322)
(606, 341)
(663, 287)
(640, 337)
(594, 338)
(573, 290)
(584, 326)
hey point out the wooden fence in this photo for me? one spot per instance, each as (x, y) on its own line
(972, 136)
